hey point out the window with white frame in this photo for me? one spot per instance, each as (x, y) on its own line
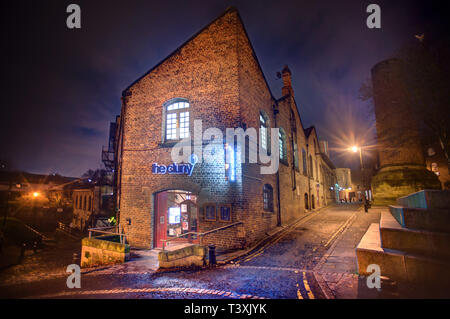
(282, 145)
(177, 120)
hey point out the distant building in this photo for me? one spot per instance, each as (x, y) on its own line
(344, 184)
(92, 206)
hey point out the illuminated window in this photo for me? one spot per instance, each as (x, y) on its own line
(296, 156)
(268, 198)
(282, 145)
(230, 163)
(177, 120)
(263, 131)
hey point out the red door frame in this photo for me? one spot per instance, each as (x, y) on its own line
(161, 216)
(160, 228)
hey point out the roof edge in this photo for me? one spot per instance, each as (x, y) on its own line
(228, 10)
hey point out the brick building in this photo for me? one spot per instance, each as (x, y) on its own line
(214, 77)
(92, 205)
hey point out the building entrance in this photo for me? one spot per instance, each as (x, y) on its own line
(175, 214)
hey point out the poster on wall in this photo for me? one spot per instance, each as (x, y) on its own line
(174, 215)
(185, 222)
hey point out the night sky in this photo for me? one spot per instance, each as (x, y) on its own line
(62, 87)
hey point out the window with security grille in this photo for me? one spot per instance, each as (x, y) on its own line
(268, 198)
(177, 121)
(282, 145)
(263, 131)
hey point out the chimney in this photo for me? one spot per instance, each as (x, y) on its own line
(287, 86)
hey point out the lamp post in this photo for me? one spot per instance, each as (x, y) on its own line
(35, 196)
(355, 149)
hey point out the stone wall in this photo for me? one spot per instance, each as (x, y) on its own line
(95, 252)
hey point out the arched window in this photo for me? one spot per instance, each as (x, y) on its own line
(305, 168)
(176, 120)
(282, 145)
(268, 198)
(263, 130)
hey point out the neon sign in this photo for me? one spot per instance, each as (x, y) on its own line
(175, 168)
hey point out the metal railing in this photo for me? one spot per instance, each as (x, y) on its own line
(200, 235)
(106, 231)
(64, 227)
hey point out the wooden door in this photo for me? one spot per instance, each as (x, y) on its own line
(160, 219)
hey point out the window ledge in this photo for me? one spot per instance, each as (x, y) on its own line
(168, 144)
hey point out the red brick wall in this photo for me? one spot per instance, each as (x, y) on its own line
(219, 75)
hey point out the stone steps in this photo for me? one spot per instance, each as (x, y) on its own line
(426, 199)
(422, 219)
(420, 242)
(399, 265)
(412, 241)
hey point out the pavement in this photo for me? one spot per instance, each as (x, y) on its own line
(313, 258)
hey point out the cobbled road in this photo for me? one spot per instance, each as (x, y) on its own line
(285, 267)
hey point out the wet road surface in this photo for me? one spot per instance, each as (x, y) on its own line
(285, 267)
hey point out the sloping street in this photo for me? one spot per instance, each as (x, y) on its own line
(313, 258)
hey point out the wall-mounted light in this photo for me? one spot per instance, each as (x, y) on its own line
(230, 163)
(128, 220)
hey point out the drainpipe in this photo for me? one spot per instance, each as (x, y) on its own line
(275, 112)
(118, 165)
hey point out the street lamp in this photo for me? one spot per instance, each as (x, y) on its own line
(355, 149)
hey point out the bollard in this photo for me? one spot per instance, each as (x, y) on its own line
(212, 255)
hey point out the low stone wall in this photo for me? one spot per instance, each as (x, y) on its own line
(393, 182)
(96, 252)
(189, 256)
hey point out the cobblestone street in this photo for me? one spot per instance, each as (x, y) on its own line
(315, 258)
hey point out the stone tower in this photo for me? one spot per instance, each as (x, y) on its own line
(402, 164)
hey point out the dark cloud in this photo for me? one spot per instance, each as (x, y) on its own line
(63, 86)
